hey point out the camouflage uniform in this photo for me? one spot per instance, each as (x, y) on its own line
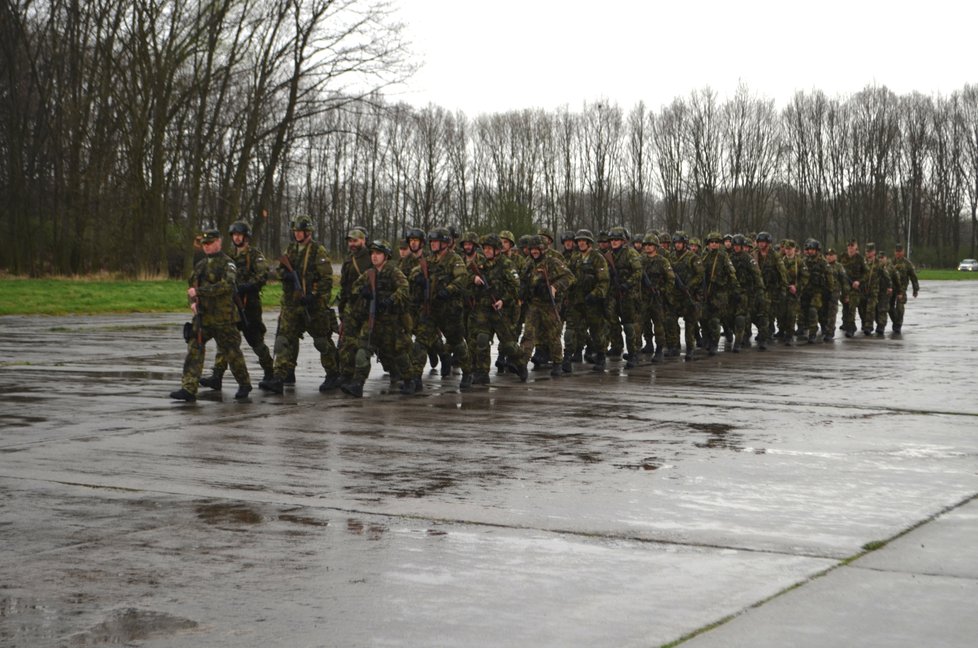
(499, 283)
(906, 274)
(819, 290)
(215, 281)
(624, 295)
(775, 278)
(856, 269)
(876, 292)
(385, 292)
(797, 273)
(252, 273)
(543, 324)
(689, 277)
(441, 295)
(306, 293)
(586, 315)
(830, 310)
(348, 303)
(751, 307)
(658, 286)
(720, 289)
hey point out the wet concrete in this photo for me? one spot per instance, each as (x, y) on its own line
(619, 509)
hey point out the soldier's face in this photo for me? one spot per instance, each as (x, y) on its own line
(535, 253)
(852, 249)
(489, 251)
(507, 245)
(569, 245)
(404, 251)
(899, 254)
(301, 236)
(763, 246)
(871, 255)
(414, 244)
(583, 245)
(354, 244)
(789, 252)
(213, 247)
(469, 248)
(651, 249)
(678, 246)
(377, 258)
(831, 258)
(713, 245)
(435, 246)
(238, 239)
(738, 248)
(616, 244)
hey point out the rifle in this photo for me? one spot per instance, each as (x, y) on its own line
(485, 281)
(373, 304)
(550, 292)
(198, 321)
(616, 279)
(685, 290)
(423, 264)
(296, 284)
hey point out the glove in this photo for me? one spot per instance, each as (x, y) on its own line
(543, 290)
(626, 287)
(385, 304)
(420, 280)
(289, 280)
(443, 294)
(593, 300)
(366, 292)
(246, 288)
(308, 300)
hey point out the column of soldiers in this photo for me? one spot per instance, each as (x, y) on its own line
(447, 297)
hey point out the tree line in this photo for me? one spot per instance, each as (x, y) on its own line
(129, 126)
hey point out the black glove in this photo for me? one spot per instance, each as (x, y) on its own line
(309, 299)
(543, 290)
(625, 286)
(246, 288)
(385, 304)
(593, 300)
(366, 292)
(420, 280)
(443, 294)
(289, 280)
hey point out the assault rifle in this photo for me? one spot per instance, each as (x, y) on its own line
(296, 283)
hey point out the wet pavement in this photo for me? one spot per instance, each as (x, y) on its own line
(632, 509)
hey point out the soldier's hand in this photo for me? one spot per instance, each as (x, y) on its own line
(443, 294)
(191, 292)
(497, 305)
(889, 291)
(366, 292)
(385, 304)
(308, 300)
(420, 280)
(478, 281)
(792, 289)
(915, 294)
(855, 285)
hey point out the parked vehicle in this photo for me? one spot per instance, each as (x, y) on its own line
(968, 265)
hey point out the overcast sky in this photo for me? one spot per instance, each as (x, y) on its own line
(501, 55)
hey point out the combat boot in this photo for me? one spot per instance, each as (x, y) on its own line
(579, 356)
(556, 371)
(567, 365)
(214, 381)
(762, 345)
(242, 393)
(599, 362)
(290, 378)
(183, 394)
(690, 354)
(631, 361)
(269, 374)
(407, 387)
(880, 333)
(466, 381)
(501, 364)
(673, 352)
(273, 384)
(812, 339)
(446, 365)
(354, 389)
(658, 355)
(522, 372)
(649, 348)
(614, 354)
(433, 359)
(480, 378)
(331, 382)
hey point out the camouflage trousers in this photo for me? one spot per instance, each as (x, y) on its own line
(828, 315)
(689, 311)
(625, 316)
(542, 328)
(849, 311)
(868, 304)
(653, 322)
(789, 316)
(444, 319)
(391, 342)
(293, 321)
(898, 305)
(757, 314)
(715, 308)
(484, 323)
(254, 334)
(772, 308)
(811, 304)
(586, 325)
(228, 340)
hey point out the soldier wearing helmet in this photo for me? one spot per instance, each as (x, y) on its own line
(797, 273)
(569, 247)
(544, 281)
(624, 310)
(689, 279)
(750, 307)
(494, 289)
(720, 289)
(775, 276)
(252, 273)
(440, 293)
(828, 318)
(210, 291)
(587, 322)
(856, 270)
(658, 286)
(306, 273)
(906, 276)
(818, 291)
(383, 300)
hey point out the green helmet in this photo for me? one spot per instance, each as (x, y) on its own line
(440, 234)
(813, 244)
(543, 231)
(566, 235)
(470, 237)
(492, 240)
(603, 236)
(764, 237)
(584, 235)
(714, 237)
(695, 241)
(618, 234)
(508, 236)
(524, 241)
(240, 227)
(680, 237)
(651, 239)
(356, 233)
(664, 239)
(414, 233)
(302, 223)
(379, 245)
(209, 235)
(739, 239)
(536, 241)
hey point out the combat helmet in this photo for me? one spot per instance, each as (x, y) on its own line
(764, 237)
(440, 234)
(302, 223)
(584, 235)
(492, 240)
(651, 239)
(240, 227)
(618, 233)
(506, 235)
(380, 245)
(714, 237)
(680, 237)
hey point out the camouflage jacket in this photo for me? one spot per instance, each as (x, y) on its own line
(392, 295)
(719, 275)
(502, 282)
(773, 272)
(842, 283)
(446, 271)
(625, 268)
(797, 273)
(689, 274)
(820, 276)
(658, 277)
(591, 276)
(539, 272)
(252, 271)
(855, 266)
(907, 274)
(315, 271)
(353, 266)
(748, 275)
(215, 278)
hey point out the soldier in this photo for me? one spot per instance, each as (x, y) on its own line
(877, 291)
(695, 246)
(494, 289)
(384, 297)
(829, 315)
(252, 273)
(819, 290)
(211, 294)
(797, 274)
(307, 286)
(906, 274)
(856, 269)
(586, 311)
(689, 278)
(775, 278)
(751, 307)
(624, 310)
(544, 278)
(569, 246)
(357, 262)
(720, 288)
(658, 284)
(440, 293)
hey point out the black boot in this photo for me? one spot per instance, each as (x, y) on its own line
(331, 382)
(480, 378)
(214, 381)
(466, 381)
(657, 356)
(354, 389)
(274, 385)
(407, 387)
(521, 371)
(242, 393)
(600, 364)
(433, 359)
(567, 365)
(446, 365)
(556, 371)
(183, 394)
(290, 379)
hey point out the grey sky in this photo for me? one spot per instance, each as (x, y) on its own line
(510, 54)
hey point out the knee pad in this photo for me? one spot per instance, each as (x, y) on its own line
(362, 359)
(482, 341)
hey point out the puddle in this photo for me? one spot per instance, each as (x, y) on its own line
(227, 513)
(131, 624)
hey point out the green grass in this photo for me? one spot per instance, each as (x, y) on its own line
(92, 296)
(945, 275)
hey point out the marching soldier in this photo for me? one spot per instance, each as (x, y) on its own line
(906, 274)
(819, 290)
(252, 273)
(720, 287)
(586, 314)
(856, 269)
(307, 286)
(797, 274)
(689, 277)
(625, 267)
(751, 307)
(658, 285)
(211, 293)
(544, 278)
